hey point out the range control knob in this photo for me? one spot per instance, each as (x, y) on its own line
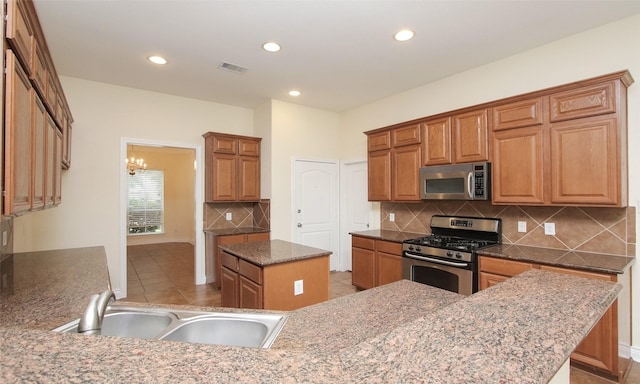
(411, 247)
(459, 255)
(418, 249)
(449, 253)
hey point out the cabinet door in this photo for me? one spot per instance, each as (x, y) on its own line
(229, 282)
(470, 137)
(405, 173)
(585, 162)
(379, 169)
(224, 177)
(437, 142)
(250, 294)
(406, 135)
(39, 72)
(18, 138)
(19, 32)
(487, 280)
(520, 114)
(248, 147)
(600, 347)
(363, 268)
(224, 240)
(379, 141)
(39, 152)
(248, 178)
(57, 168)
(389, 268)
(50, 154)
(518, 166)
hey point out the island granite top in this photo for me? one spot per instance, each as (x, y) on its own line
(595, 262)
(268, 252)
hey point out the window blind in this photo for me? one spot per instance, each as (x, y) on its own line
(146, 202)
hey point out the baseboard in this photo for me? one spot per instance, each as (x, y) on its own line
(635, 353)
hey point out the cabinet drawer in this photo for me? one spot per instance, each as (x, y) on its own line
(362, 242)
(588, 101)
(520, 114)
(389, 247)
(379, 141)
(406, 135)
(251, 271)
(229, 261)
(503, 267)
(225, 145)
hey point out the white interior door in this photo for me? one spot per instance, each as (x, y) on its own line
(356, 210)
(315, 206)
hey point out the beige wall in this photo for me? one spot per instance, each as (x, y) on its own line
(179, 194)
(104, 114)
(603, 50)
(303, 133)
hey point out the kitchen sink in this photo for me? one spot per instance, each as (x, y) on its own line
(224, 328)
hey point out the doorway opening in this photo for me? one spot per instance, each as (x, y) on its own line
(170, 249)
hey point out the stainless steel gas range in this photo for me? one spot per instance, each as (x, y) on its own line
(447, 258)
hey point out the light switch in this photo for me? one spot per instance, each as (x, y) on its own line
(550, 229)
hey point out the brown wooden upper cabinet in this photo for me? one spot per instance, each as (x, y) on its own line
(232, 167)
(394, 158)
(36, 116)
(566, 146)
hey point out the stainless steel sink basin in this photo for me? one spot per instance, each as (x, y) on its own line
(225, 328)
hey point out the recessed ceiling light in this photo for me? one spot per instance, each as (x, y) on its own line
(404, 35)
(270, 46)
(294, 93)
(157, 60)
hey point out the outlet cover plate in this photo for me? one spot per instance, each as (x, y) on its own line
(298, 287)
(392, 217)
(522, 226)
(229, 216)
(550, 229)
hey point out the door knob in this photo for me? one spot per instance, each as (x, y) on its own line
(299, 225)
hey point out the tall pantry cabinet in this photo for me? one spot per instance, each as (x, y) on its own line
(37, 119)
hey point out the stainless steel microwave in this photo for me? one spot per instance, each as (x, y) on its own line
(470, 181)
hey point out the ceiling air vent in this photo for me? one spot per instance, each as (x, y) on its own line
(232, 68)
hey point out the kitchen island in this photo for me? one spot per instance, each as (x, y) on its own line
(522, 330)
(273, 274)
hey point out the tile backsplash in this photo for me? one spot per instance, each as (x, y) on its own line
(242, 215)
(601, 230)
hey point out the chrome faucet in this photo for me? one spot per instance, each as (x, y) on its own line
(91, 320)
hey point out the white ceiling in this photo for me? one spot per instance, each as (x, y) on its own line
(339, 54)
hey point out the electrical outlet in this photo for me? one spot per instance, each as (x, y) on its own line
(229, 216)
(522, 226)
(298, 287)
(392, 217)
(550, 229)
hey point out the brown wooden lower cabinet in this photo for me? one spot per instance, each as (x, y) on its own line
(375, 262)
(246, 285)
(599, 349)
(213, 254)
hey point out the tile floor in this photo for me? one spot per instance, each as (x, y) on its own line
(163, 274)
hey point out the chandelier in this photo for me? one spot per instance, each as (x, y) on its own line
(135, 164)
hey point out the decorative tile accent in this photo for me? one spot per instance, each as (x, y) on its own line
(586, 229)
(243, 215)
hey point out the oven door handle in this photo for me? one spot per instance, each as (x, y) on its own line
(436, 261)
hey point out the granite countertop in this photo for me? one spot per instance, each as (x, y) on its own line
(521, 330)
(595, 262)
(388, 235)
(235, 231)
(268, 252)
(49, 288)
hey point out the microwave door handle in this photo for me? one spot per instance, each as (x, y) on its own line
(470, 185)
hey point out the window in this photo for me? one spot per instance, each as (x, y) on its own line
(146, 202)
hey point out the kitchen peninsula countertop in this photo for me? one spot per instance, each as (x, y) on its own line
(268, 252)
(388, 235)
(521, 330)
(235, 231)
(595, 262)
